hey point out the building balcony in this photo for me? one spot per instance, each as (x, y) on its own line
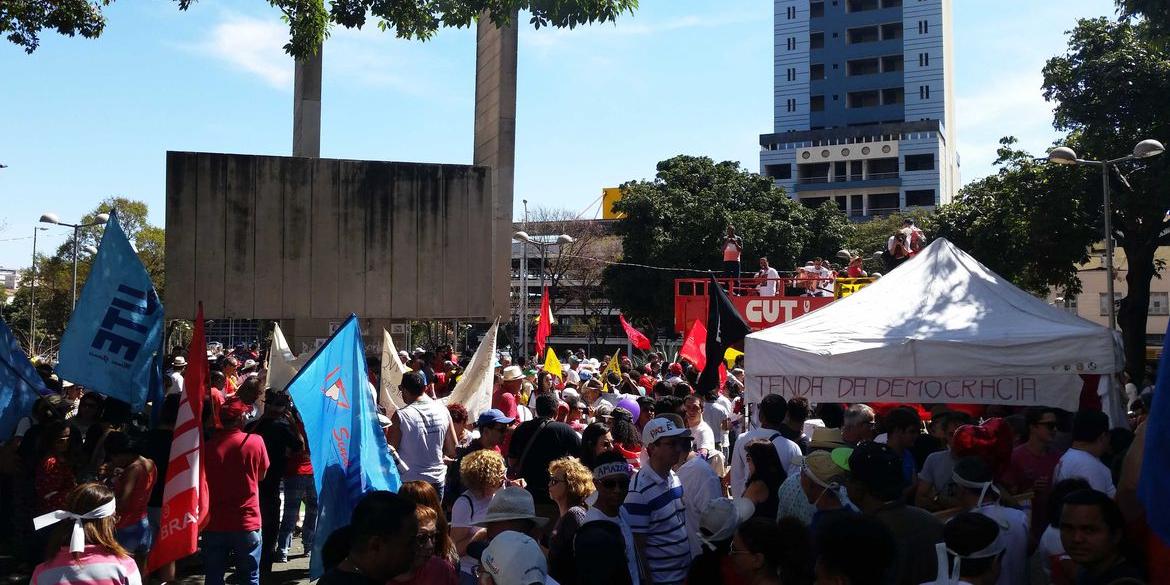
(822, 183)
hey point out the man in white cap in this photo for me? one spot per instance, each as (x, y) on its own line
(178, 366)
(513, 559)
(655, 508)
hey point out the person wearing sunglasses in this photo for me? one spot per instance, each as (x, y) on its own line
(611, 478)
(1034, 462)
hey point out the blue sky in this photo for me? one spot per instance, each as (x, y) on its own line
(87, 119)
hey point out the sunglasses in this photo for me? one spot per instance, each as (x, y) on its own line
(425, 538)
(1050, 425)
(614, 484)
(555, 481)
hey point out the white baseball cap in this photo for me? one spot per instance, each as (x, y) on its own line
(722, 517)
(514, 559)
(662, 427)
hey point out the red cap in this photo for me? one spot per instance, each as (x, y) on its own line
(676, 369)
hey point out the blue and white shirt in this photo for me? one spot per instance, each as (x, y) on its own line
(655, 510)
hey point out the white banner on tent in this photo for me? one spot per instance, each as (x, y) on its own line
(474, 388)
(1051, 390)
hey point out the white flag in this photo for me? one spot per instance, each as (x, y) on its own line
(282, 364)
(392, 371)
(474, 389)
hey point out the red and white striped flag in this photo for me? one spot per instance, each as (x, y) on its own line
(184, 507)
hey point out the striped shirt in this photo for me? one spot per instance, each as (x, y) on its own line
(94, 566)
(655, 510)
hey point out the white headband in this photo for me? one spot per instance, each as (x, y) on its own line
(77, 538)
(996, 547)
(983, 486)
(615, 468)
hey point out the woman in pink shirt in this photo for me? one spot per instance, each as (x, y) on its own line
(82, 547)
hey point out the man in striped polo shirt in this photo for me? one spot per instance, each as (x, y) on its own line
(654, 506)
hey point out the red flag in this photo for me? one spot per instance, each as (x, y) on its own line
(544, 327)
(184, 507)
(694, 348)
(637, 339)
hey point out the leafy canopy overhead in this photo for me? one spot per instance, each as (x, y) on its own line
(309, 20)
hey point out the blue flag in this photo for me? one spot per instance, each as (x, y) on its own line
(116, 328)
(1154, 483)
(346, 444)
(20, 385)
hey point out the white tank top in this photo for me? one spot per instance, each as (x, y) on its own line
(424, 426)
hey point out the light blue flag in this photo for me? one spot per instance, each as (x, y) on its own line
(1154, 482)
(116, 328)
(20, 385)
(346, 444)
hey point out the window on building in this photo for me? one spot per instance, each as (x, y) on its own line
(891, 31)
(864, 34)
(1159, 303)
(923, 27)
(919, 162)
(863, 99)
(816, 10)
(861, 5)
(791, 104)
(883, 203)
(1104, 303)
(893, 95)
(855, 167)
(816, 40)
(791, 74)
(891, 63)
(924, 59)
(791, 12)
(924, 92)
(862, 67)
(816, 71)
(778, 171)
(919, 197)
(891, 3)
(816, 103)
(1069, 304)
(791, 43)
(883, 168)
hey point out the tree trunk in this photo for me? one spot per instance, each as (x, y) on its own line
(1133, 312)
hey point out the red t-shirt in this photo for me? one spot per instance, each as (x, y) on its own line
(236, 462)
(135, 510)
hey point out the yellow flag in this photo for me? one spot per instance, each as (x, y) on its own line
(612, 366)
(730, 355)
(552, 365)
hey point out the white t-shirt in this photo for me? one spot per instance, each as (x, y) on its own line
(704, 436)
(1078, 463)
(594, 513)
(466, 511)
(714, 413)
(1014, 568)
(700, 486)
(768, 287)
(424, 425)
(176, 383)
(1050, 549)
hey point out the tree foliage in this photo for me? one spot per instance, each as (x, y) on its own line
(678, 220)
(54, 274)
(1023, 223)
(1110, 91)
(309, 21)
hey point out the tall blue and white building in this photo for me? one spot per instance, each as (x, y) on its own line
(864, 107)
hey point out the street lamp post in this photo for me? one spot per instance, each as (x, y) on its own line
(52, 218)
(525, 239)
(32, 304)
(1064, 155)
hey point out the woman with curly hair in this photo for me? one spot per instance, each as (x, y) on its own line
(569, 483)
(424, 494)
(82, 548)
(483, 473)
(460, 419)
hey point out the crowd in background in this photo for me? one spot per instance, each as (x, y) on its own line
(611, 473)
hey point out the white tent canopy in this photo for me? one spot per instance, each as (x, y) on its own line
(939, 328)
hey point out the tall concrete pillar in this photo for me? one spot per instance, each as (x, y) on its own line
(495, 136)
(307, 106)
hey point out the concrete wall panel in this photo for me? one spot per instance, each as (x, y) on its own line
(297, 238)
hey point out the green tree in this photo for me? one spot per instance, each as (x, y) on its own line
(54, 277)
(678, 221)
(309, 21)
(1110, 91)
(1021, 222)
(1156, 14)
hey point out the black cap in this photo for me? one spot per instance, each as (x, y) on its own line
(878, 468)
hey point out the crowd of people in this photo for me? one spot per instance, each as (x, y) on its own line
(609, 474)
